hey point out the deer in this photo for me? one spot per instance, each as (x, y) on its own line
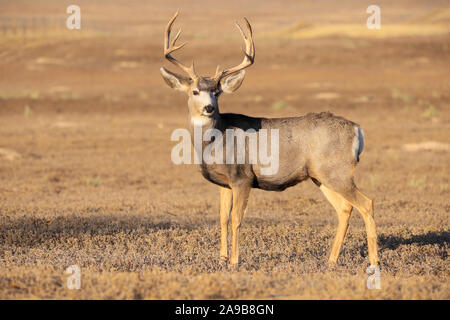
(318, 146)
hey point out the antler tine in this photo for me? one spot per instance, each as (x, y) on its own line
(249, 27)
(219, 72)
(176, 38)
(249, 53)
(169, 47)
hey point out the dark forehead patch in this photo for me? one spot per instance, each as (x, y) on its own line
(206, 84)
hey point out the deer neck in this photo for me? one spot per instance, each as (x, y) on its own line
(204, 122)
(199, 125)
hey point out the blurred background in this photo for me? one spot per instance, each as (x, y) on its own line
(85, 125)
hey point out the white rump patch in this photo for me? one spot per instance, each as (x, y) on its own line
(358, 143)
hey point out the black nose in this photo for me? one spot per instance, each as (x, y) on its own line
(209, 108)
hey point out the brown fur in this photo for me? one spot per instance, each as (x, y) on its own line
(319, 146)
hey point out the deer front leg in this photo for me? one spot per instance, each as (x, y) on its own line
(226, 202)
(240, 197)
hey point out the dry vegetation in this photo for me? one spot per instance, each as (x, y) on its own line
(86, 176)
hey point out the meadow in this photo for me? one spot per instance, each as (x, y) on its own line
(86, 177)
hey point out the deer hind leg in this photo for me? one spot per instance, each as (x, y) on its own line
(240, 197)
(226, 202)
(343, 184)
(365, 207)
(343, 209)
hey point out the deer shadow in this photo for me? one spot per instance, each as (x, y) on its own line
(441, 238)
(34, 231)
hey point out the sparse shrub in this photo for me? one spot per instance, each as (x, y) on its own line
(280, 104)
(436, 94)
(28, 112)
(93, 181)
(398, 95)
(374, 179)
(257, 98)
(418, 183)
(430, 112)
(143, 95)
(34, 95)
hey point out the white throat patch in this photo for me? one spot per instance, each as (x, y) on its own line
(200, 120)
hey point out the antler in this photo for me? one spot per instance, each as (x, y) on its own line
(169, 47)
(249, 53)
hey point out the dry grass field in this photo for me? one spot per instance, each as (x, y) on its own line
(86, 177)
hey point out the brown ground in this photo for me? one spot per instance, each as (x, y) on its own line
(86, 176)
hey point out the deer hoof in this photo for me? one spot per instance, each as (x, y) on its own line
(332, 266)
(223, 261)
(233, 267)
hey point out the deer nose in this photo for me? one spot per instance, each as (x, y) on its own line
(209, 108)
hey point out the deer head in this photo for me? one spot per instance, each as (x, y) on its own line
(203, 92)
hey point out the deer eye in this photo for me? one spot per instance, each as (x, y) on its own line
(216, 93)
(195, 92)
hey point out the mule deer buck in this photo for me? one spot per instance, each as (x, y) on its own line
(319, 146)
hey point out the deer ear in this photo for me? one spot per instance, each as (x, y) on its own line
(232, 82)
(175, 81)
